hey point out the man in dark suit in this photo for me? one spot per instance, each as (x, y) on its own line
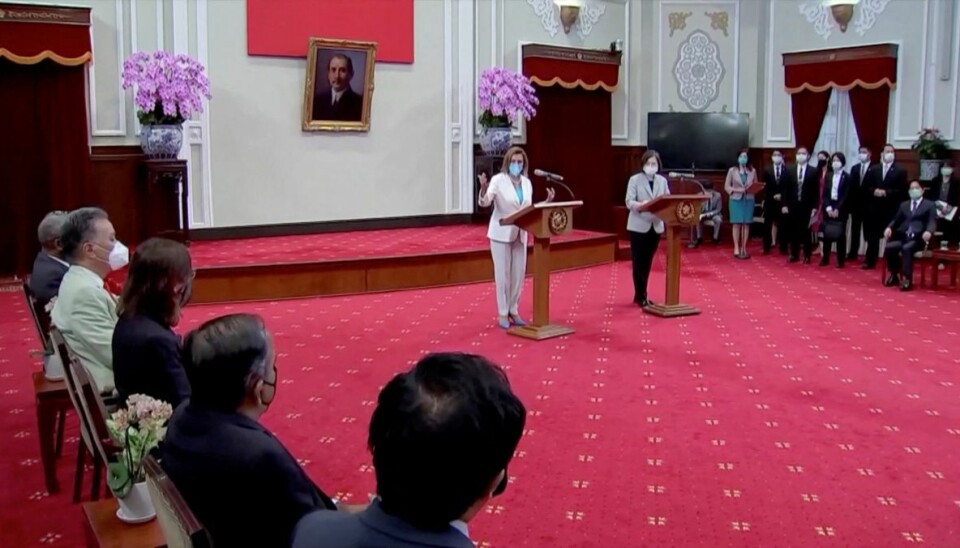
(856, 199)
(801, 193)
(773, 178)
(909, 231)
(49, 266)
(945, 188)
(339, 103)
(237, 478)
(441, 437)
(886, 188)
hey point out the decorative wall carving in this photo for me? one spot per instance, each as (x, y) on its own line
(678, 21)
(719, 20)
(698, 71)
(821, 17)
(590, 12)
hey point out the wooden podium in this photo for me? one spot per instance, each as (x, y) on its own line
(677, 211)
(543, 220)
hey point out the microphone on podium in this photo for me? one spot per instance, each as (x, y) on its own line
(678, 175)
(554, 178)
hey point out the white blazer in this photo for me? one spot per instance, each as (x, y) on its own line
(502, 194)
(638, 190)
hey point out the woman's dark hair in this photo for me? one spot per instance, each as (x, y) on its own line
(748, 166)
(839, 156)
(158, 266)
(823, 153)
(224, 358)
(650, 153)
(440, 435)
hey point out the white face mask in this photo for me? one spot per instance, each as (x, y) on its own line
(837, 166)
(119, 256)
(864, 157)
(778, 160)
(946, 172)
(650, 170)
(888, 157)
(802, 158)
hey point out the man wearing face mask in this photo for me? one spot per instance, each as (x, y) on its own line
(946, 195)
(775, 178)
(442, 436)
(84, 311)
(801, 194)
(910, 230)
(886, 188)
(238, 479)
(856, 199)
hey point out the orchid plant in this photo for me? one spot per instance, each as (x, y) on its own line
(138, 429)
(504, 96)
(169, 88)
(930, 145)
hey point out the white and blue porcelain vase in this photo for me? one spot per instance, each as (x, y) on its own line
(495, 141)
(161, 141)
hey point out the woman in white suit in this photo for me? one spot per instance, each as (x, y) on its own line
(644, 228)
(508, 192)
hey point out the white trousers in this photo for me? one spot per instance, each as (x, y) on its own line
(509, 268)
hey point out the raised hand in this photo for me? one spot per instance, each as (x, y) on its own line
(551, 193)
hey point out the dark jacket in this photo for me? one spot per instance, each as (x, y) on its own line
(349, 108)
(895, 185)
(237, 478)
(146, 360)
(372, 528)
(843, 194)
(802, 201)
(857, 196)
(907, 223)
(45, 277)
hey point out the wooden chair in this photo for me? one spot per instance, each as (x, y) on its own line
(41, 321)
(180, 527)
(87, 445)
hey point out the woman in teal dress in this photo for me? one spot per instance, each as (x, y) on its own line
(739, 179)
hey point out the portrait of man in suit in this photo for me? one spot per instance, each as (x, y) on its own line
(339, 86)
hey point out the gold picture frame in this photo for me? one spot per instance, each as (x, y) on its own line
(333, 98)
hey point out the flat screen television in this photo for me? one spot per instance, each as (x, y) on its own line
(695, 141)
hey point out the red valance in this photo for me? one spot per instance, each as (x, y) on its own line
(868, 67)
(30, 34)
(571, 67)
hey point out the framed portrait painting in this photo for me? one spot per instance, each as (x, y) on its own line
(339, 85)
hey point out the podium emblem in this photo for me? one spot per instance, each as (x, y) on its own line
(559, 221)
(686, 213)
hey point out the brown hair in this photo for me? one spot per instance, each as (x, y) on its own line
(505, 167)
(650, 153)
(158, 266)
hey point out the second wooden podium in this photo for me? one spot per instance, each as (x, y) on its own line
(677, 211)
(543, 220)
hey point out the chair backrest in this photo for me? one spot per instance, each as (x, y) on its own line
(41, 320)
(63, 350)
(92, 408)
(181, 529)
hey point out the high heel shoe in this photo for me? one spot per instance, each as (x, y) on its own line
(517, 320)
(503, 322)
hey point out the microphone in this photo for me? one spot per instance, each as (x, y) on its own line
(547, 174)
(678, 175)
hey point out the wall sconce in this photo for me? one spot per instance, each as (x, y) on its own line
(842, 11)
(569, 11)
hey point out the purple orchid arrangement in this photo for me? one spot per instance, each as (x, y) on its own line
(504, 96)
(170, 88)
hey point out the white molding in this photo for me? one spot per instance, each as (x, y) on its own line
(206, 168)
(134, 46)
(625, 81)
(955, 96)
(160, 27)
(929, 82)
(466, 37)
(447, 107)
(736, 45)
(96, 131)
(768, 99)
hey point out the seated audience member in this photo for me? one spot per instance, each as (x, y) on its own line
(237, 478)
(908, 232)
(146, 351)
(84, 311)
(946, 195)
(441, 437)
(49, 266)
(711, 212)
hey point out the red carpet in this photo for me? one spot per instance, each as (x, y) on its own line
(349, 245)
(807, 406)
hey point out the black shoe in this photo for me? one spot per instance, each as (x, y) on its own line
(824, 262)
(868, 266)
(766, 251)
(646, 303)
(906, 286)
(839, 264)
(793, 259)
(852, 257)
(806, 260)
(693, 244)
(892, 281)
(715, 240)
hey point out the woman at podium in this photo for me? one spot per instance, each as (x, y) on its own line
(509, 191)
(644, 228)
(739, 179)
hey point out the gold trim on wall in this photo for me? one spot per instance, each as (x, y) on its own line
(831, 85)
(557, 81)
(308, 123)
(43, 56)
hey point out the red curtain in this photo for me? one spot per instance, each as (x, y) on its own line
(571, 136)
(870, 108)
(809, 109)
(44, 152)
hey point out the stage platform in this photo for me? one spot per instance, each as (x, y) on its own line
(343, 263)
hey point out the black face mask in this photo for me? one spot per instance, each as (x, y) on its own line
(502, 486)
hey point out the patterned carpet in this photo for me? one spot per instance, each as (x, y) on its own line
(806, 406)
(349, 245)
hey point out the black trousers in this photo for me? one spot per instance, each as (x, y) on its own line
(643, 246)
(856, 223)
(899, 254)
(771, 216)
(841, 246)
(800, 235)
